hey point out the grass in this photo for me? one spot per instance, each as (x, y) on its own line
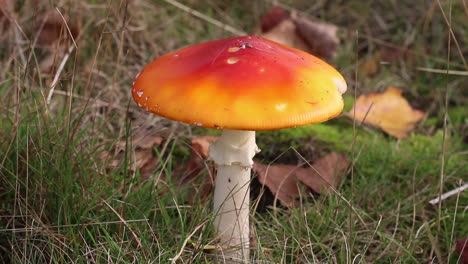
(61, 203)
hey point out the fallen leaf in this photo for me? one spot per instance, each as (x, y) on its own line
(146, 161)
(313, 36)
(197, 163)
(283, 180)
(144, 158)
(325, 173)
(389, 111)
(280, 180)
(320, 37)
(145, 137)
(6, 10)
(55, 34)
(462, 248)
(49, 63)
(272, 18)
(201, 145)
(285, 33)
(370, 66)
(54, 30)
(395, 54)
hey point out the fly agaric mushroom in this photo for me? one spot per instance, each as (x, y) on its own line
(239, 85)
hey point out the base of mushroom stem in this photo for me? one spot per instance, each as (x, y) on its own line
(231, 205)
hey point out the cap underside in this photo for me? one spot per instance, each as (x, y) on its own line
(243, 83)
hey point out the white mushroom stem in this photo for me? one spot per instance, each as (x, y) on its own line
(233, 155)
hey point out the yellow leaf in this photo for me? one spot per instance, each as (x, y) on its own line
(388, 110)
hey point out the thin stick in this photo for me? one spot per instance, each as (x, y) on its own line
(449, 194)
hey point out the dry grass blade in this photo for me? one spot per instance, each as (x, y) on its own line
(452, 36)
(206, 18)
(449, 72)
(187, 239)
(58, 73)
(125, 222)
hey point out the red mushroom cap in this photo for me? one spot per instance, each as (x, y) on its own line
(242, 83)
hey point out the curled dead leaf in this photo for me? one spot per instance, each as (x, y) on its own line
(144, 159)
(313, 36)
(321, 38)
(197, 163)
(280, 180)
(283, 180)
(272, 18)
(461, 248)
(50, 62)
(284, 33)
(6, 10)
(55, 31)
(370, 66)
(389, 111)
(325, 173)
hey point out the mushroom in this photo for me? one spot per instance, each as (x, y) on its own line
(240, 85)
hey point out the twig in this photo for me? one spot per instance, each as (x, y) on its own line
(206, 18)
(449, 194)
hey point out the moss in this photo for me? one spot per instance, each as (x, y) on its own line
(458, 115)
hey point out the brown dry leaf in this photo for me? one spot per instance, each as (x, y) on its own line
(283, 180)
(320, 37)
(395, 54)
(326, 172)
(272, 18)
(370, 66)
(280, 180)
(54, 34)
(144, 159)
(54, 31)
(389, 111)
(313, 36)
(6, 10)
(49, 63)
(197, 163)
(462, 249)
(285, 33)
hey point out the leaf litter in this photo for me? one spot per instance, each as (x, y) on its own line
(140, 150)
(284, 181)
(55, 35)
(389, 111)
(311, 35)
